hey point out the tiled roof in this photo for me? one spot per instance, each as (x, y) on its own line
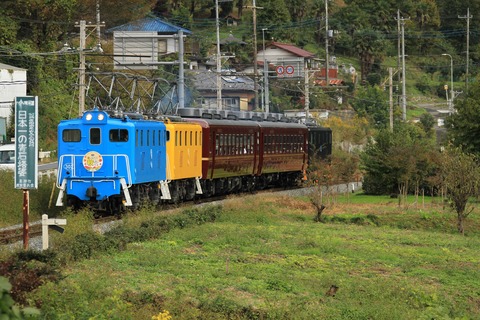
(207, 81)
(333, 82)
(295, 50)
(150, 24)
(232, 40)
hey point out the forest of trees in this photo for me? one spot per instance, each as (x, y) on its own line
(32, 32)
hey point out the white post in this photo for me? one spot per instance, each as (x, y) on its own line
(44, 232)
(47, 222)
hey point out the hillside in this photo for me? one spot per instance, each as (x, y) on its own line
(363, 33)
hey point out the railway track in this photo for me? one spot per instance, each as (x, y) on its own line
(14, 234)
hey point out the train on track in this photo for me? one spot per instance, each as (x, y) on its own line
(112, 161)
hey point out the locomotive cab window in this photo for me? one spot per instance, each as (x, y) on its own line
(71, 135)
(118, 135)
(95, 136)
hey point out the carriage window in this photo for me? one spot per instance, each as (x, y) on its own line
(71, 135)
(95, 136)
(118, 135)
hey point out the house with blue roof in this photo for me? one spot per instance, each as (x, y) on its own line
(142, 44)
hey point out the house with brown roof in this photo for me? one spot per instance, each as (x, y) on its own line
(289, 61)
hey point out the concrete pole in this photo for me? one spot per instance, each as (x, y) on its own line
(219, 61)
(307, 92)
(404, 90)
(255, 67)
(450, 102)
(181, 72)
(390, 84)
(265, 76)
(81, 81)
(468, 17)
(326, 44)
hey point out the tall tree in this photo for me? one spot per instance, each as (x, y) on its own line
(274, 11)
(111, 12)
(8, 30)
(463, 125)
(371, 102)
(461, 177)
(401, 160)
(39, 23)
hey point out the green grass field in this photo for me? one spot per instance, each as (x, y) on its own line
(265, 258)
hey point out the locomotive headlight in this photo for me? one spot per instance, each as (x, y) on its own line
(88, 117)
(101, 116)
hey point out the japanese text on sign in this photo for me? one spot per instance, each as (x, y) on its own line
(26, 149)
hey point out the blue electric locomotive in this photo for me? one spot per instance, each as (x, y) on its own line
(110, 162)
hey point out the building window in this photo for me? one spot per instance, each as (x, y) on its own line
(162, 46)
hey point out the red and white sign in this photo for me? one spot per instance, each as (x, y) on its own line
(280, 70)
(289, 70)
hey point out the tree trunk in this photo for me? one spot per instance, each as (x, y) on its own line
(320, 208)
(460, 219)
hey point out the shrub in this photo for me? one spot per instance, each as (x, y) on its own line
(27, 270)
(8, 309)
(86, 244)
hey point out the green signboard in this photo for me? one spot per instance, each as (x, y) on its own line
(26, 142)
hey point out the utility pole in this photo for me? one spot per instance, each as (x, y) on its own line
(265, 76)
(99, 45)
(219, 61)
(307, 92)
(399, 48)
(81, 70)
(450, 103)
(255, 67)
(390, 90)
(81, 77)
(468, 17)
(181, 72)
(390, 84)
(326, 44)
(404, 93)
(255, 60)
